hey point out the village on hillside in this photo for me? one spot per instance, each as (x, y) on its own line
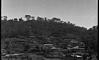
(46, 39)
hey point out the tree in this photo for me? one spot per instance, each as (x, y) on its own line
(5, 18)
(15, 19)
(55, 19)
(20, 19)
(33, 18)
(39, 18)
(27, 17)
(45, 19)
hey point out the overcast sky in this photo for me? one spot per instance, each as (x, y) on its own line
(79, 12)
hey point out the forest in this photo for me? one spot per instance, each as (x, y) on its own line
(38, 31)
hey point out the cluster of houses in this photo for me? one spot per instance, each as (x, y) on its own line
(74, 48)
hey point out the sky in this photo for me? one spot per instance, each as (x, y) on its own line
(80, 12)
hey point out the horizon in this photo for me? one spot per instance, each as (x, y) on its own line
(51, 18)
(79, 12)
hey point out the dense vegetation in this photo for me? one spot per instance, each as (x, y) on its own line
(17, 30)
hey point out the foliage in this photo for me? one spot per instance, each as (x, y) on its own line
(43, 28)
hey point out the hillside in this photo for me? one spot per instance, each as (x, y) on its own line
(43, 30)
